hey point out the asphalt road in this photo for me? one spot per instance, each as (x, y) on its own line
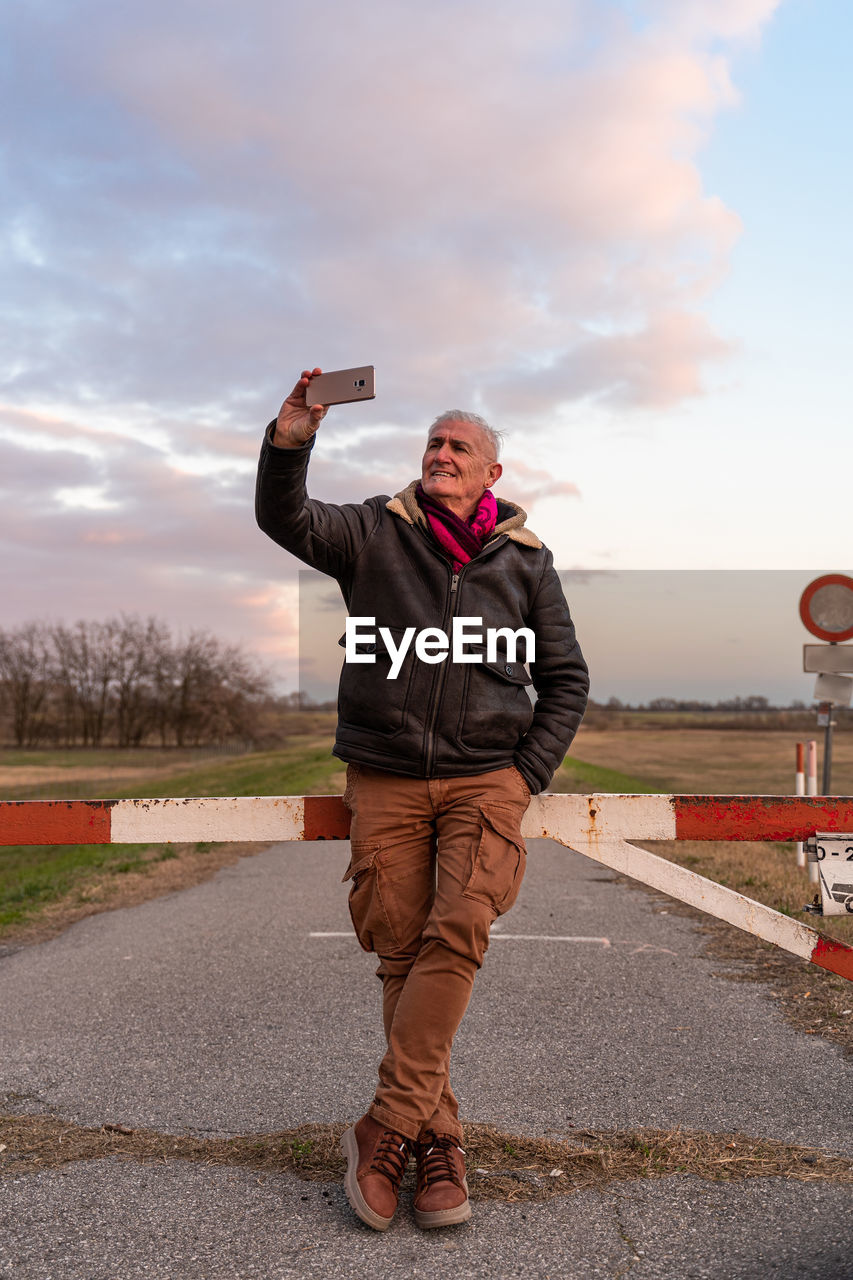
(217, 1011)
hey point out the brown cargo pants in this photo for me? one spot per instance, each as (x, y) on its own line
(434, 862)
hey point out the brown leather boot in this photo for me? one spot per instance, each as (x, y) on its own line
(376, 1161)
(441, 1199)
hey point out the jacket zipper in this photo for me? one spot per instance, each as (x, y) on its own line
(450, 612)
(442, 676)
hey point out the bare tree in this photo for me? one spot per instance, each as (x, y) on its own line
(85, 664)
(137, 650)
(214, 688)
(125, 679)
(240, 686)
(27, 679)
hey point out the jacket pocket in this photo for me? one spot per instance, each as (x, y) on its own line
(368, 697)
(500, 859)
(495, 708)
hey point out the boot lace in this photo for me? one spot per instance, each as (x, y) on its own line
(391, 1157)
(435, 1162)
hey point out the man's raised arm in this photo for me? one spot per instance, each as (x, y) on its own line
(322, 534)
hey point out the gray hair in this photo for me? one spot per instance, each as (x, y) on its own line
(495, 438)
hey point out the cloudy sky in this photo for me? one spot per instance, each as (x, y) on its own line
(619, 228)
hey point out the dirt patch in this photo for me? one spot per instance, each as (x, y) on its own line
(20, 776)
(501, 1166)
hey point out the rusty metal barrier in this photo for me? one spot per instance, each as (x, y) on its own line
(601, 827)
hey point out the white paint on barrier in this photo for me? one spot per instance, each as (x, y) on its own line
(239, 818)
(609, 817)
(697, 891)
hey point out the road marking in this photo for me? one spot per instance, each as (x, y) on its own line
(503, 937)
(647, 946)
(547, 937)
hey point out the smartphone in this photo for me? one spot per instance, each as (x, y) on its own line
(342, 386)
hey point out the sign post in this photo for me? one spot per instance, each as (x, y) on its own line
(833, 855)
(826, 610)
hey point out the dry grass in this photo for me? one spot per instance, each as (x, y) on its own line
(22, 778)
(501, 1166)
(31, 774)
(712, 761)
(766, 872)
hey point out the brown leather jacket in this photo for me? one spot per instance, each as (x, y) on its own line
(447, 718)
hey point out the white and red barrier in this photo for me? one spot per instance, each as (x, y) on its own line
(599, 826)
(216, 819)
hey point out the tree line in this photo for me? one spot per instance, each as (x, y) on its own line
(127, 681)
(755, 702)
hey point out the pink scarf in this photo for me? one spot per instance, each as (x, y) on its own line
(461, 540)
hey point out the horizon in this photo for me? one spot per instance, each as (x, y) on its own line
(697, 634)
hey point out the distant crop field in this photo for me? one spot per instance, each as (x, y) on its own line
(705, 761)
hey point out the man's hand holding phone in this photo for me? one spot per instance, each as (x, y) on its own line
(296, 423)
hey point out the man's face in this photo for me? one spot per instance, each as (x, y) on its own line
(458, 465)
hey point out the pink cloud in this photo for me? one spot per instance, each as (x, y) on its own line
(482, 220)
(529, 485)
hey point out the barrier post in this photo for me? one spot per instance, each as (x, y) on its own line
(801, 791)
(811, 790)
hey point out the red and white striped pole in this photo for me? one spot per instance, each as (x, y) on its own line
(811, 790)
(801, 791)
(600, 826)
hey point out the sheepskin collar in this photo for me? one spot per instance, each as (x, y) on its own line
(511, 518)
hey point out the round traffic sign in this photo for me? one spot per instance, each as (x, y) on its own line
(826, 607)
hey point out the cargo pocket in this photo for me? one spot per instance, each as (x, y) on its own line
(499, 862)
(367, 910)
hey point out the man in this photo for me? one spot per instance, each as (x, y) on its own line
(444, 747)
